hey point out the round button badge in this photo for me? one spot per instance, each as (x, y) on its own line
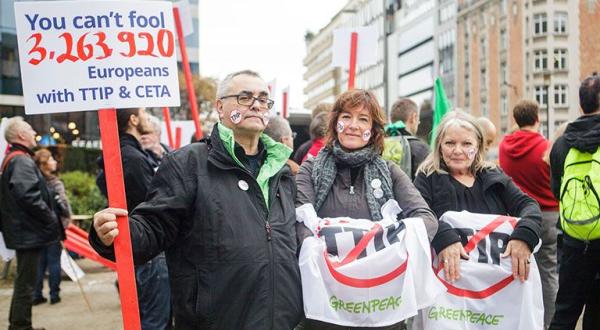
(243, 185)
(376, 183)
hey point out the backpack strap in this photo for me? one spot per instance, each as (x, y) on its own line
(8, 157)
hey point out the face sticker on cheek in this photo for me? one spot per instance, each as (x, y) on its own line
(366, 136)
(235, 116)
(266, 117)
(471, 153)
(340, 126)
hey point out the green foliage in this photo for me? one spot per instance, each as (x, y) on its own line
(83, 194)
(80, 159)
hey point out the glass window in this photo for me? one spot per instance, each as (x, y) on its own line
(540, 60)
(560, 95)
(560, 23)
(503, 40)
(541, 95)
(560, 59)
(540, 24)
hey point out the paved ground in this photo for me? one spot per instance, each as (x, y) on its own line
(72, 312)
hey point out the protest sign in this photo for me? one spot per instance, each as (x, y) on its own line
(104, 54)
(486, 296)
(360, 273)
(101, 55)
(354, 46)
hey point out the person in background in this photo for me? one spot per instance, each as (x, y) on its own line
(318, 133)
(279, 130)
(521, 156)
(405, 122)
(489, 132)
(350, 178)
(28, 219)
(50, 258)
(456, 177)
(317, 130)
(579, 270)
(151, 141)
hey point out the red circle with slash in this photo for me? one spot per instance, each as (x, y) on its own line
(352, 255)
(471, 244)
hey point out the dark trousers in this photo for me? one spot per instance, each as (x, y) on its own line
(20, 306)
(154, 294)
(49, 259)
(577, 286)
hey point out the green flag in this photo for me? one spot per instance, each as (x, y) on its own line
(440, 108)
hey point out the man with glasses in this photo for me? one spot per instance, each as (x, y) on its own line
(223, 210)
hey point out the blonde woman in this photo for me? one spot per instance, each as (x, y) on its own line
(456, 177)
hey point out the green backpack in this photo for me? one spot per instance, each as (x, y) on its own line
(579, 195)
(397, 150)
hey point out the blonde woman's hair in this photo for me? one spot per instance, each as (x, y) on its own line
(434, 163)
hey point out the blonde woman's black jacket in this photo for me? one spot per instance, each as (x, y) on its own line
(27, 210)
(501, 195)
(227, 269)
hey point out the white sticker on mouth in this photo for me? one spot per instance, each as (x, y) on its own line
(236, 116)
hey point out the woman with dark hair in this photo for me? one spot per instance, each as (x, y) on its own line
(349, 177)
(50, 256)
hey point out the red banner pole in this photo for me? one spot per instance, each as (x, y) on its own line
(167, 116)
(285, 104)
(353, 46)
(113, 168)
(188, 74)
(177, 137)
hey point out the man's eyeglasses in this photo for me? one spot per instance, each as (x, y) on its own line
(248, 100)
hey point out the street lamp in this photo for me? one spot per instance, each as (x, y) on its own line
(547, 80)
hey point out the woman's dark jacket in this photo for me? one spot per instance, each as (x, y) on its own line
(501, 196)
(227, 268)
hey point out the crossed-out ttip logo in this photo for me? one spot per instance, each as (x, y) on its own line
(483, 246)
(350, 242)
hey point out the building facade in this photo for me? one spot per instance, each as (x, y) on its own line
(509, 50)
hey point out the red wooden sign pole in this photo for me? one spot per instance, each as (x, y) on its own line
(113, 168)
(167, 116)
(353, 47)
(285, 104)
(188, 74)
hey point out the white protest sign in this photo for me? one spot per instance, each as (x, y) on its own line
(187, 26)
(366, 52)
(360, 273)
(95, 55)
(68, 265)
(187, 131)
(486, 296)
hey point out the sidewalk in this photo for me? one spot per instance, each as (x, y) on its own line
(72, 312)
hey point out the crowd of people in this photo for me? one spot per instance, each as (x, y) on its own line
(213, 225)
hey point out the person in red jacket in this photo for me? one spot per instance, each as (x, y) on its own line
(521, 157)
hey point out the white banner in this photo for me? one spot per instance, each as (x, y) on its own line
(357, 272)
(5, 253)
(78, 56)
(70, 267)
(486, 296)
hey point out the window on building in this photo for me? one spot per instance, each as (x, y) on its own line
(503, 7)
(446, 44)
(541, 95)
(540, 60)
(503, 72)
(560, 59)
(540, 24)
(503, 40)
(504, 105)
(560, 22)
(560, 95)
(483, 80)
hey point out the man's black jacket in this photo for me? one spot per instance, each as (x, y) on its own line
(232, 260)
(138, 170)
(27, 208)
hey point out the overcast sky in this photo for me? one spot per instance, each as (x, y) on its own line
(262, 35)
